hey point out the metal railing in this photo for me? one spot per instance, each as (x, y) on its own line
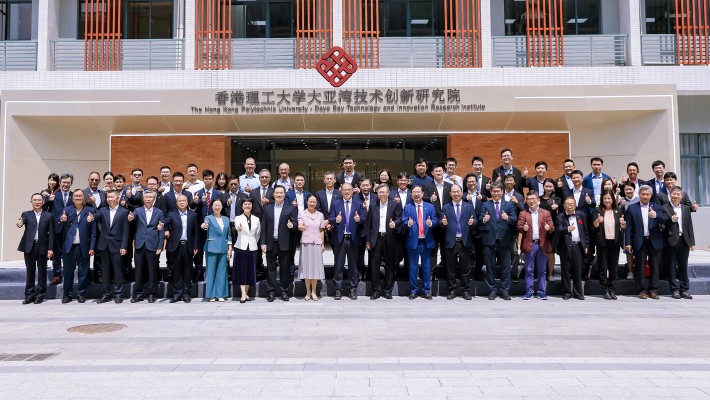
(658, 50)
(136, 54)
(18, 55)
(412, 52)
(264, 53)
(580, 51)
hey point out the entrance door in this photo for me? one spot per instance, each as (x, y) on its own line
(316, 156)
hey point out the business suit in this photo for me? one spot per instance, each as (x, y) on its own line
(477, 247)
(458, 239)
(340, 179)
(245, 250)
(534, 184)
(324, 207)
(586, 209)
(76, 255)
(419, 246)
(498, 236)
(429, 191)
(402, 199)
(102, 199)
(278, 248)
(347, 236)
(170, 201)
(536, 246)
(203, 207)
(572, 252)
(383, 241)
(256, 195)
(134, 197)
(217, 245)
(679, 245)
(181, 246)
(364, 269)
(589, 182)
(148, 243)
(102, 203)
(643, 246)
(662, 199)
(112, 238)
(57, 206)
(35, 252)
(296, 236)
(482, 182)
(654, 184)
(518, 197)
(562, 186)
(608, 248)
(500, 172)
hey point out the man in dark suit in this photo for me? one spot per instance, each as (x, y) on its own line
(384, 223)
(368, 198)
(508, 169)
(202, 203)
(657, 183)
(564, 183)
(78, 233)
(112, 243)
(475, 197)
(296, 197)
(511, 195)
(403, 196)
(483, 183)
(669, 180)
(681, 241)
(181, 229)
(458, 220)
(536, 225)
(594, 180)
(418, 219)
(644, 236)
(152, 183)
(278, 222)
(348, 216)
(232, 201)
(536, 183)
(148, 244)
(325, 198)
(36, 244)
(62, 200)
(498, 222)
(349, 175)
(438, 193)
(573, 245)
(170, 197)
(97, 199)
(585, 203)
(134, 191)
(263, 195)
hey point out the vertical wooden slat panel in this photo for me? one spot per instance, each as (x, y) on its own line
(462, 33)
(692, 32)
(544, 32)
(361, 31)
(213, 34)
(313, 31)
(102, 35)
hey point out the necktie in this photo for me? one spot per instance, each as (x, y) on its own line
(232, 212)
(263, 193)
(497, 210)
(458, 219)
(66, 199)
(347, 217)
(367, 203)
(420, 220)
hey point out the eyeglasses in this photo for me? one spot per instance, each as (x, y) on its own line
(233, 184)
(93, 180)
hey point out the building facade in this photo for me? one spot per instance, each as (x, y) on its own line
(115, 84)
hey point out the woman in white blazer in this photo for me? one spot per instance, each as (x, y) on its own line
(248, 230)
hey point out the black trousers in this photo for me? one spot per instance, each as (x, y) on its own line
(182, 262)
(284, 274)
(35, 262)
(111, 262)
(654, 257)
(458, 262)
(679, 266)
(478, 258)
(199, 273)
(571, 266)
(346, 249)
(608, 262)
(146, 260)
(388, 253)
(439, 238)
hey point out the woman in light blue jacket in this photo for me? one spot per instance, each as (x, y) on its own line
(218, 249)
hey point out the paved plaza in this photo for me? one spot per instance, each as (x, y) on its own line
(385, 349)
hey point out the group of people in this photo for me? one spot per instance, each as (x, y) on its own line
(230, 224)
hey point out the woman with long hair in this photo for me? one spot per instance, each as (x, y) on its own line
(608, 221)
(553, 204)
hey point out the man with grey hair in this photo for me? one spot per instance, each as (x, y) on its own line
(148, 245)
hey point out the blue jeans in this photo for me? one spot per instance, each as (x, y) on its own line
(535, 262)
(216, 275)
(71, 260)
(414, 255)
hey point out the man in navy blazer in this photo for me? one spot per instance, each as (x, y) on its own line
(148, 244)
(170, 196)
(594, 180)
(97, 199)
(403, 196)
(498, 223)
(573, 245)
(645, 238)
(262, 195)
(419, 217)
(112, 243)
(681, 241)
(278, 222)
(181, 229)
(585, 203)
(36, 244)
(348, 216)
(384, 222)
(476, 198)
(458, 219)
(296, 197)
(62, 200)
(78, 233)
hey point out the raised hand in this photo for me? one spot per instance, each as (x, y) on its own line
(571, 228)
(130, 216)
(554, 206)
(357, 217)
(63, 218)
(247, 189)
(301, 227)
(289, 224)
(526, 227)
(90, 218)
(694, 207)
(486, 218)
(651, 212)
(396, 198)
(674, 218)
(622, 222)
(20, 223)
(488, 185)
(470, 220)
(525, 172)
(504, 216)
(444, 221)
(204, 225)
(265, 201)
(514, 200)
(410, 222)
(167, 234)
(229, 201)
(195, 198)
(434, 197)
(469, 196)
(428, 221)
(338, 218)
(600, 218)
(547, 227)
(613, 181)
(588, 199)
(391, 223)
(239, 228)
(263, 248)
(294, 203)
(160, 226)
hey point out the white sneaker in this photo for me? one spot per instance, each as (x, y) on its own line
(630, 275)
(220, 299)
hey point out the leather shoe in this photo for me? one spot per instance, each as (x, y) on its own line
(427, 296)
(338, 295)
(675, 294)
(174, 299)
(580, 297)
(284, 297)
(81, 299)
(686, 295)
(643, 295)
(118, 300)
(66, 299)
(104, 299)
(137, 299)
(412, 296)
(151, 299)
(388, 296)
(270, 298)
(607, 296)
(566, 296)
(375, 296)
(451, 296)
(492, 296)
(612, 295)
(353, 295)
(39, 300)
(56, 280)
(466, 296)
(505, 296)
(654, 296)
(186, 299)
(28, 301)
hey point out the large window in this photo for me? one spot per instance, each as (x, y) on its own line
(263, 19)
(661, 16)
(694, 164)
(411, 18)
(141, 19)
(15, 19)
(581, 17)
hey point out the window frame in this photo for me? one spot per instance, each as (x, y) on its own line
(124, 19)
(267, 29)
(8, 18)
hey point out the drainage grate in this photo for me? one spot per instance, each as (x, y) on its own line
(27, 357)
(90, 329)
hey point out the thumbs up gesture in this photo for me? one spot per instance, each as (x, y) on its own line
(90, 218)
(504, 216)
(204, 225)
(486, 217)
(204, 197)
(357, 217)
(160, 226)
(289, 224)
(247, 189)
(469, 196)
(338, 218)
(674, 218)
(600, 218)
(554, 206)
(20, 223)
(63, 218)
(397, 199)
(651, 212)
(294, 203)
(139, 188)
(547, 227)
(613, 181)
(195, 198)
(470, 220)
(391, 224)
(444, 221)
(694, 207)
(526, 227)
(428, 221)
(514, 200)
(433, 197)
(525, 172)
(229, 201)
(239, 228)
(622, 222)
(410, 222)
(130, 216)
(571, 228)
(588, 199)
(488, 185)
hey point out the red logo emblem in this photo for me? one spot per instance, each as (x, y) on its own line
(336, 66)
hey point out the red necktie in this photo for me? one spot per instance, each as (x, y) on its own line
(420, 220)
(209, 200)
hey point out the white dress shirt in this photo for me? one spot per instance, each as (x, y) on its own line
(535, 225)
(677, 210)
(277, 216)
(573, 222)
(383, 217)
(183, 218)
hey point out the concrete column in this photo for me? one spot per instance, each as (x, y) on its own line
(486, 35)
(43, 26)
(630, 24)
(338, 23)
(189, 30)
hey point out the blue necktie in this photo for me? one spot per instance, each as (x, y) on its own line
(458, 219)
(347, 217)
